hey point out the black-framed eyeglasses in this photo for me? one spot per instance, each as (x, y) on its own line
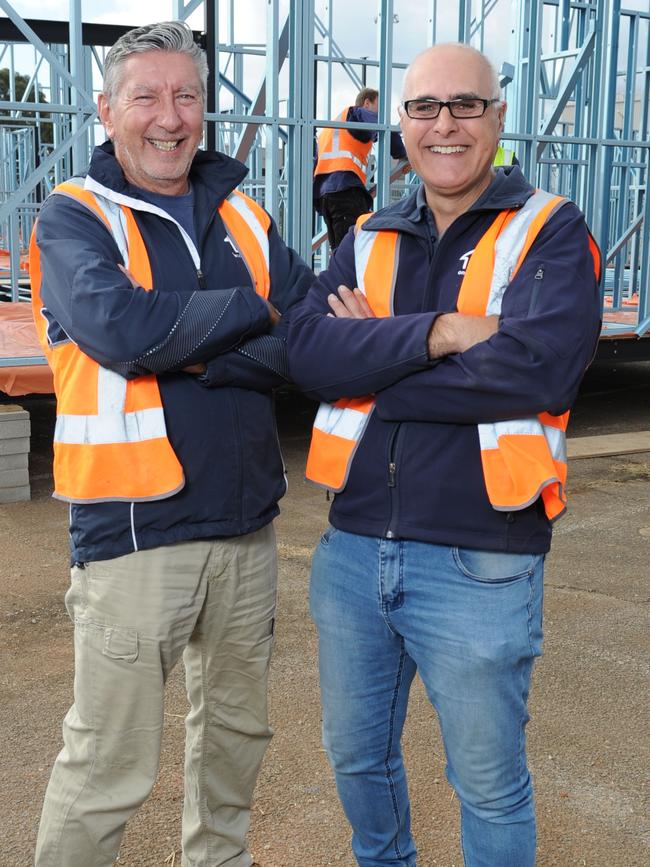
(429, 109)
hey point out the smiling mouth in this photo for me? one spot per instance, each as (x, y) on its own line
(447, 149)
(163, 145)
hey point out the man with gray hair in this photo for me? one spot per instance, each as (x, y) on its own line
(159, 293)
(446, 372)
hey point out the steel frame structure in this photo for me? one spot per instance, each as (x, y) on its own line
(576, 75)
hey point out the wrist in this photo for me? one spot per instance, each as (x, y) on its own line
(441, 339)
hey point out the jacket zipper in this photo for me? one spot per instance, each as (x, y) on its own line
(537, 285)
(392, 482)
(200, 276)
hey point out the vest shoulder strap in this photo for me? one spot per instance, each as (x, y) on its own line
(247, 224)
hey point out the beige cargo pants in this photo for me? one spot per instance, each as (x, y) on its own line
(213, 602)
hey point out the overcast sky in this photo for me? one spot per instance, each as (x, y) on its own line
(355, 30)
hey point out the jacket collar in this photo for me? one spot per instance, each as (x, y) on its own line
(509, 190)
(211, 169)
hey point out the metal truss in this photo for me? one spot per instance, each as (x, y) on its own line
(576, 75)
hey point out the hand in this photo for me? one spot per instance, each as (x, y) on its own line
(349, 304)
(274, 314)
(126, 271)
(457, 332)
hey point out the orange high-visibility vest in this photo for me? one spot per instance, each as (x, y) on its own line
(110, 439)
(338, 151)
(522, 459)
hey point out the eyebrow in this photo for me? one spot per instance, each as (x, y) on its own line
(148, 88)
(466, 95)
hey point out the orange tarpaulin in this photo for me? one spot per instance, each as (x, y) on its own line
(17, 341)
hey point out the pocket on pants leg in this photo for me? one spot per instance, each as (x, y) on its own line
(120, 643)
(118, 694)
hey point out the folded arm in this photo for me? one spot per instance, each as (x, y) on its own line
(123, 327)
(534, 362)
(334, 356)
(260, 363)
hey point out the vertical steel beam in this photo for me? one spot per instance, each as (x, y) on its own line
(385, 55)
(271, 167)
(301, 130)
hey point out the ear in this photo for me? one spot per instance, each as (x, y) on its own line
(104, 112)
(502, 115)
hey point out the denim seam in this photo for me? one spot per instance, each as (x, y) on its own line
(529, 606)
(391, 729)
(523, 720)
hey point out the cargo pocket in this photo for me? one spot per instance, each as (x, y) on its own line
(120, 643)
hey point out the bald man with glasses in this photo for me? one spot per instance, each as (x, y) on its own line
(446, 343)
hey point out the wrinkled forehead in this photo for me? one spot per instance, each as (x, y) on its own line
(157, 70)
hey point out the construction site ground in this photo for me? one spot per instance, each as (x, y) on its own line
(589, 744)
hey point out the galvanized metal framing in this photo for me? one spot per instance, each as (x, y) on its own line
(576, 75)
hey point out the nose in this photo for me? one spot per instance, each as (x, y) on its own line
(168, 117)
(445, 123)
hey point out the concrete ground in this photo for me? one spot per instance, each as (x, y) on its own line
(589, 744)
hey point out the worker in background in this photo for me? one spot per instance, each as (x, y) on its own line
(340, 174)
(504, 157)
(447, 340)
(159, 293)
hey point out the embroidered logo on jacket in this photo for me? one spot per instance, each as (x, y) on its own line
(465, 260)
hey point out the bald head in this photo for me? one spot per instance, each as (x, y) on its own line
(452, 56)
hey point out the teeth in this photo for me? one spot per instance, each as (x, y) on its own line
(451, 149)
(163, 145)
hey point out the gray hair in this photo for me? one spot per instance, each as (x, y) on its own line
(164, 36)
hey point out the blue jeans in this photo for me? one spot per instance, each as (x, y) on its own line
(471, 623)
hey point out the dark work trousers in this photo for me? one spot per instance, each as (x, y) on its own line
(341, 210)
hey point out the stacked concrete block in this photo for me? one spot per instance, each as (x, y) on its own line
(14, 452)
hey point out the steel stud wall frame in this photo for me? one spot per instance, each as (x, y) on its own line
(576, 76)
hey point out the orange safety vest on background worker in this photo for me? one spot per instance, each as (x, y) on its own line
(522, 459)
(338, 151)
(110, 439)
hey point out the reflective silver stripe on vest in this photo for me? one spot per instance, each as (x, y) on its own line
(110, 428)
(363, 244)
(113, 213)
(252, 221)
(336, 152)
(346, 422)
(111, 424)
(509, 245)
(489, 434)
(341, 422)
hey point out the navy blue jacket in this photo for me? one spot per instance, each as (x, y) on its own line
(426, 416)
(221, 425)
(334, 182)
